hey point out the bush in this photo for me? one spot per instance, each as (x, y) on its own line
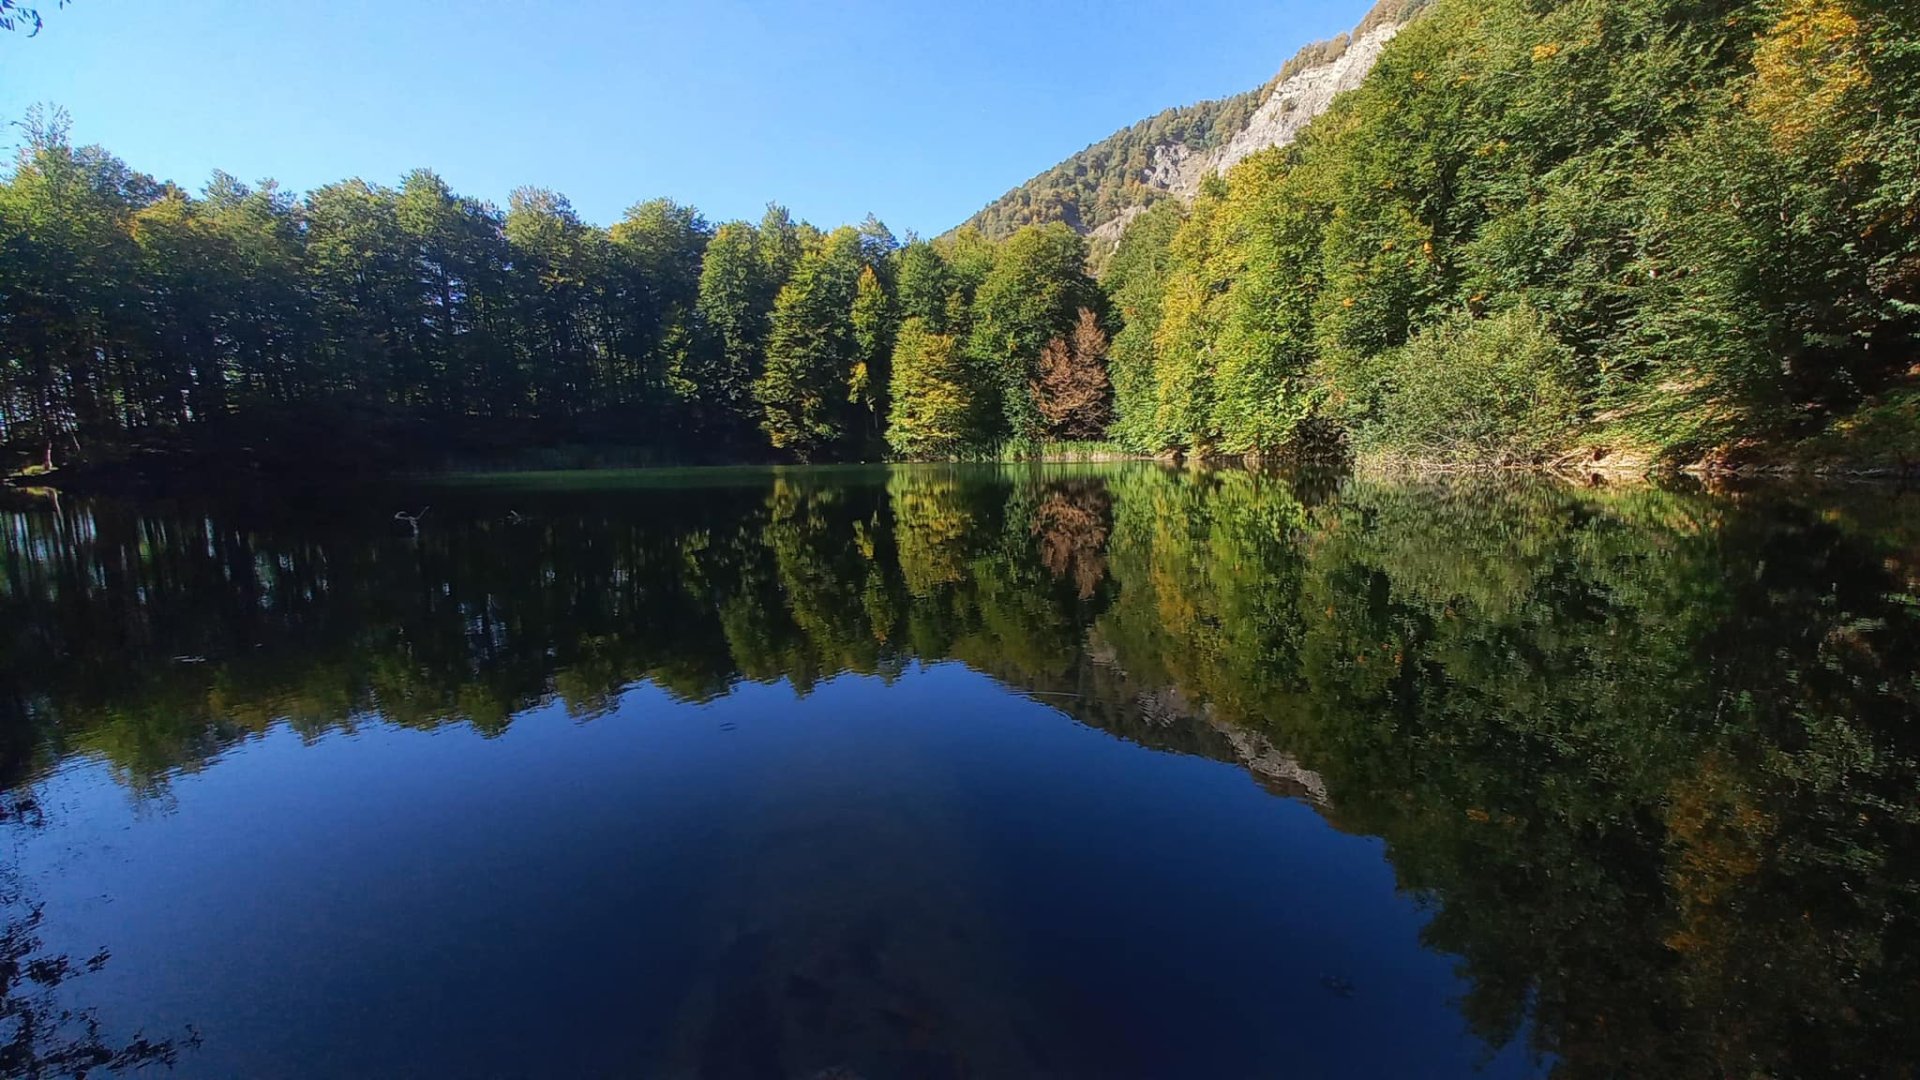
(1498, 390)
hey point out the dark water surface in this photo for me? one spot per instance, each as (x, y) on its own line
(1076, 772)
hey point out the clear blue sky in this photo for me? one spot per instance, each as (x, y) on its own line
(918, 112)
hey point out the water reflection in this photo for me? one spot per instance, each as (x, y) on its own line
(1648, 757)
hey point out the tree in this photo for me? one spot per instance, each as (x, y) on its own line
(559, 260)
(268, 319)
(656, 252)
(1136, 282)
(66, 291)
(1032, 295)
(1070, 389)
(736, 292)
(14, 16)
(1724, 242)
(372, 322)
(811, 351)
(877, 246)
(1498, 389)
(969, 257)
(933, 395)
(922, 282)
(459, 258)
(873, 331)
(782, 243)
(186, 367)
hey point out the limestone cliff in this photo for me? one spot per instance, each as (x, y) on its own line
(1102, 188)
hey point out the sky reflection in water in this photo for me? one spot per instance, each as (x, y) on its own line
(943, 771)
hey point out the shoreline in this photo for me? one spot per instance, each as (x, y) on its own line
(114, 481)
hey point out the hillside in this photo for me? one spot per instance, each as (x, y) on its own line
(1099, 189)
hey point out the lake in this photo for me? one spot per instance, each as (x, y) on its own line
(999, 771)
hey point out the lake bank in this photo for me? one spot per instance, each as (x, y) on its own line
(1879, 441)
(169, 478)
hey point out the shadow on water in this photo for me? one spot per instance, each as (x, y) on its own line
(1647, 757)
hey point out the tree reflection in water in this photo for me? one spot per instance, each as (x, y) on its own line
(1647, 755)
(41, 1033)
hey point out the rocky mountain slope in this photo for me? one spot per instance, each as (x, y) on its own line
(1101, 188)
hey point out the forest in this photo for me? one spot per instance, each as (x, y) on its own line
(1678, 230)
(401, 317)
(1653, 231)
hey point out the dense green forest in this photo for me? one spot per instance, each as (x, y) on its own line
(1666, 228)
(1647, 756)
(1097, 184)
(1634, 230)
(367, 324)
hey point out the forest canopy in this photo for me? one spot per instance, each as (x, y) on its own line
(132, 308)
(1679, 228)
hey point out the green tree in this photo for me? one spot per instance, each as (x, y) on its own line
(969, 256)
(656, 251)
(459, 264)
(558, 261)
(782, 243)
(268, 310)
(1499, 389)
(368, 303)
(736, 294)
(1136, 281)
(1032, 295)
(873, 333)
(934, 396)
(68, 276)
(923, 281)
(811, 351)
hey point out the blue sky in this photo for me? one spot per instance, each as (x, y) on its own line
(918, 112)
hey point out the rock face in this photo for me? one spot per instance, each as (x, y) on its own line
(1277, 770)
(1101, 189)
(1279, 120)
(1104, 238)
(1179, 170)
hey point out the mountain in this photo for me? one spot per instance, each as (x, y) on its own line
(1098, 190)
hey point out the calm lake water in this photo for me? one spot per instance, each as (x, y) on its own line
(937, 772)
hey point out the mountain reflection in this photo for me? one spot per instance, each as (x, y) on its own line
(1648, 756)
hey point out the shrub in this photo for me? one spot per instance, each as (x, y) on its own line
(1494, 390)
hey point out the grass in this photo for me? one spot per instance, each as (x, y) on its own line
(1063, 450)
